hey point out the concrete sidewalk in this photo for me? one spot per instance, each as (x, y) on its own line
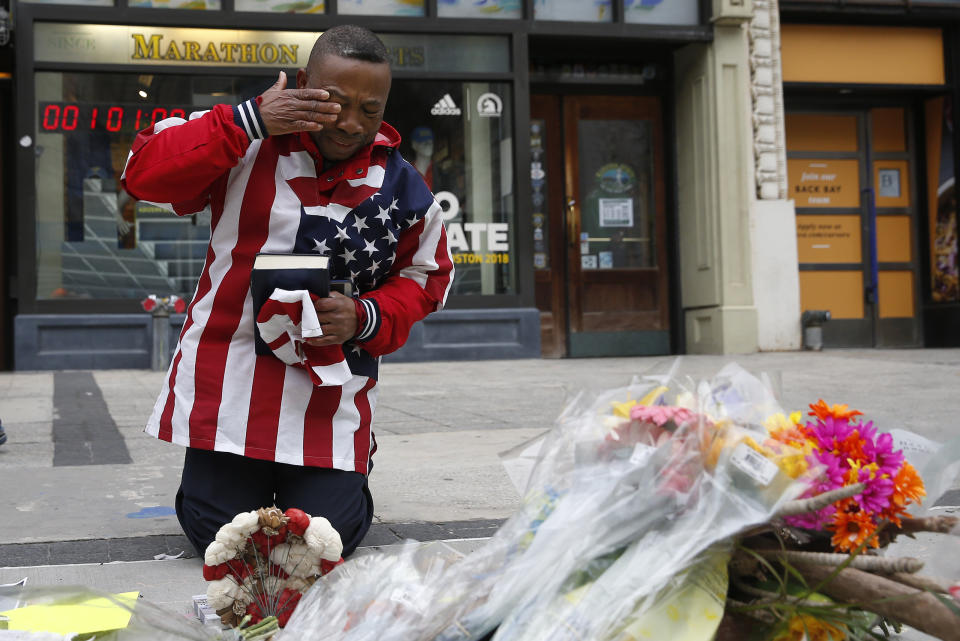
(71, 499)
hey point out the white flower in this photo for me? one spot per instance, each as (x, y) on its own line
(218, 553)
(323, 539)
(222, 592)
(234, 535)
(246, 523)
(296, 559)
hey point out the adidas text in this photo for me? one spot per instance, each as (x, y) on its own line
(445, 107)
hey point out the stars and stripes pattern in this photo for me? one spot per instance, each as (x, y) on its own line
(374, 217)
(285, 321)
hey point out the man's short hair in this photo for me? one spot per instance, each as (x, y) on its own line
(350, 41)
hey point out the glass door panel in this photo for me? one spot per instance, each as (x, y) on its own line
(617, 277)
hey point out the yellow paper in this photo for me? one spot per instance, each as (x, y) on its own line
(691, 612)
(81, 616)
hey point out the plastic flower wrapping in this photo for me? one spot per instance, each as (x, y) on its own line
(666, 509)
(631, 494)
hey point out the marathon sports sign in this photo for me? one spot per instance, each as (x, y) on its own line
(143, 45)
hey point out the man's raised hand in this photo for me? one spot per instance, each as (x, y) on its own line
(286, 111)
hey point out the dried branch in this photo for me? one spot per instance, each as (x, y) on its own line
(861, 562)
(942, 524)
(820, 501)
(890, 599)
(929, 583)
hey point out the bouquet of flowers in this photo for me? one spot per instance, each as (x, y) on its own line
(849, 452)
(668, 509)
(260, 564)
(629, 490)
(859, 488)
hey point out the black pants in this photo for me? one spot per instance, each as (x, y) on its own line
(216, 486)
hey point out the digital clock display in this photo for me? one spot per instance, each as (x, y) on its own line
(64, 117)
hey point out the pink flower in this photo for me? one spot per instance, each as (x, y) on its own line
(830, 432)
(888, 461)
(875, 497)
(663, 415)
(955, 591)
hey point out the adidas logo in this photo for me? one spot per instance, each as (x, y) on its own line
(445, 107)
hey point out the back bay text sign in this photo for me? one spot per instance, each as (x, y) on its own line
(828, 182)
(140, 45)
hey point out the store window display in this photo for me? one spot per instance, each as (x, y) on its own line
(94, 241)
(459, 137)
(421, 139)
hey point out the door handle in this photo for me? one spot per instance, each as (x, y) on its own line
(572, 236)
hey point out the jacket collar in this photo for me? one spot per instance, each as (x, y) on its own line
(357, 165)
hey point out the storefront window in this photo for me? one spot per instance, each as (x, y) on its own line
(84, 3)
(482, 9)
(678, 12)
(176, 4)
(578, 10)
(459, 136)
(943, 237)
(94, 241)
(538, 189)
(381, 7)
(281, 6)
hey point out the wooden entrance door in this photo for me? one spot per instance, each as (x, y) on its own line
(599, 228)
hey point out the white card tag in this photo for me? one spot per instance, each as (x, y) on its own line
(754, 464)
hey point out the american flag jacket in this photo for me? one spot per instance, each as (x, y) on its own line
(372, 214)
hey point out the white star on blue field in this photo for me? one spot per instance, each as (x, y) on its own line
(361, 248)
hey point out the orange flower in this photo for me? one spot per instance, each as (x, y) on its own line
(851, 447)
(804, 626)
(821, 410)
(851, 526)
(907, 487)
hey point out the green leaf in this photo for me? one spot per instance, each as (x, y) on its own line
(947, 601)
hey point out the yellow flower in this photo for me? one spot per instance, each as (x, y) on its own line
(778, 422)
(622, 410)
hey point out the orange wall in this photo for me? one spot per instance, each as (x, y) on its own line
(862, 54)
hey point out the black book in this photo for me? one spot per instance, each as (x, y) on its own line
(286, 271)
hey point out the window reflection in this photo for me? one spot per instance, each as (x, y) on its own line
(381, 7)
(616, 179)
(94, 241)
(281, 6)
(458, 135)
(579, 10)
(479, 8)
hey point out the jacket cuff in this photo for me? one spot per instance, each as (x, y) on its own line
(370, 324)
(247, 116)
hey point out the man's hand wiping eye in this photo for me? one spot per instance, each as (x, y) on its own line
(287, 111)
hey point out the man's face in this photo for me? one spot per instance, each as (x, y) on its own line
(361, 88)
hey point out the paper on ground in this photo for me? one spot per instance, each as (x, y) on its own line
(74, 616)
